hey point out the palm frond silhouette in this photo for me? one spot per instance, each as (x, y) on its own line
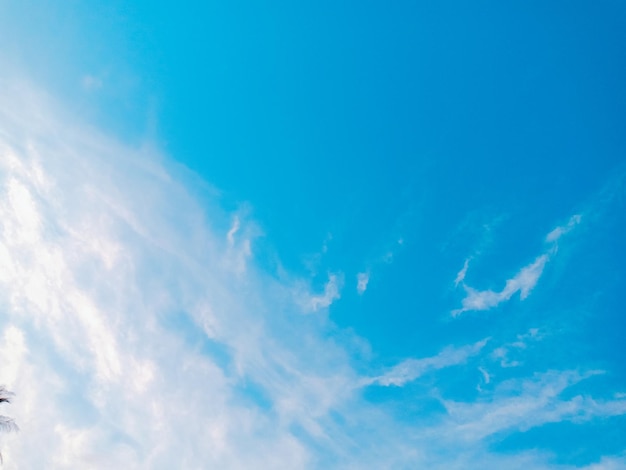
(6, 424)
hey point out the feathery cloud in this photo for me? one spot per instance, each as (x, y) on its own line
(523, 282)
(521, 404)
(411, 369)
(460, 276)
(558, 232)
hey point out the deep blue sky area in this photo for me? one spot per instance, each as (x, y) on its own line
(466, 160)
(343, 119)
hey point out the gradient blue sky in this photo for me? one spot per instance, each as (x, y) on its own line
(329, 235)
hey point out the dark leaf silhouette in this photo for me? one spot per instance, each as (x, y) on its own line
(6, 424)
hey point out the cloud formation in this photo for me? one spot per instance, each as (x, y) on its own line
(314, 302)
(558, 232)
(136, 335)
(522, 404)
(362, 279)
(523, 282)
(411, 369)
(138, 331)
(460, 276)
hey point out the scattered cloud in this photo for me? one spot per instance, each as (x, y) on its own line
(313, 303)
(234, 228)
(558, 232)
(523, 282)
(313, 261)
(411, 369)
(461, 274)
(521, 404)
(327, 240)
(503, 353)
(138, 333)
(485, 374)
(239, 241)
(387, 258)
(362, 279)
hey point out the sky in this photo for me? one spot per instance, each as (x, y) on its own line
(284, 235)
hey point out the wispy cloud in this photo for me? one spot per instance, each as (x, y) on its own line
(234, 228)
(411, 369)
(502, 354)
(386, 258)
(523, 282)
(362, 279)
(239, 244)
(521, 404)
(485, 374)
(313, 261)
(558, 232)
(314, 302)
(138, 331)
(103, 255)
(460, 276)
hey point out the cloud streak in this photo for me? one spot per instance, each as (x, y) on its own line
(411, 369)
(523, 282)
(521, 404)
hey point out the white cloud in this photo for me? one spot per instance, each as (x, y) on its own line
(503, 353)
(558, 232)
(485, 374)
(362, 279)
(108, 264)
(137, 335)
(608, 463)
(100, 246)
(386, 258)
(411, 369)
(313, 303)
(239, 245)
(523, 282)
(230, 236)
(460, 276)
(521, 404)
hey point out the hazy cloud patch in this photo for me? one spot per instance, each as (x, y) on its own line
(362, 279)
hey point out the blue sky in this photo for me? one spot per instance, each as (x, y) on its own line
(331, 235)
